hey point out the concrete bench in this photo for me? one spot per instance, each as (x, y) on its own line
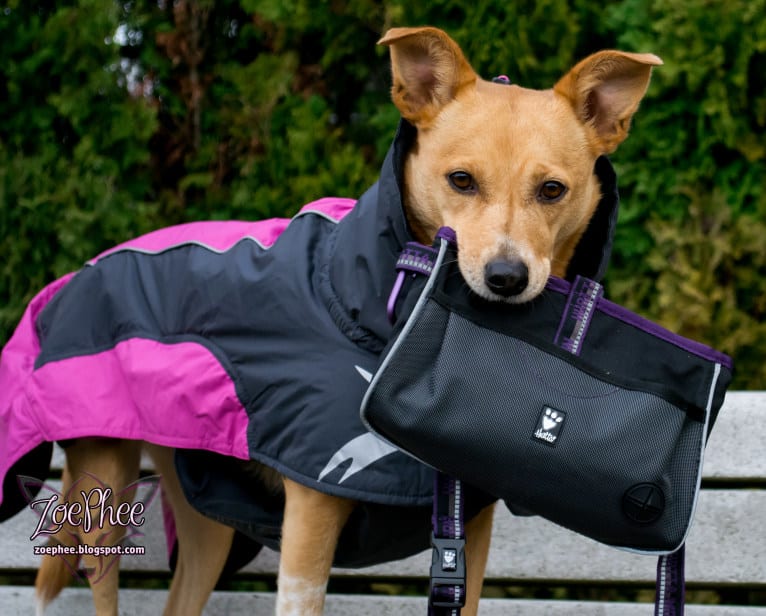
(535, 568)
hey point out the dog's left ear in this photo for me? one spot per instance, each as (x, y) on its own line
(429, 69)
(605, 90)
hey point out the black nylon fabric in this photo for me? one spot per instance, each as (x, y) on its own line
(35, 464)
(591, 257)
(223, 489)
(616, 350)
(468, 395)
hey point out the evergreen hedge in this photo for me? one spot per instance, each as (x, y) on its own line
(121, 117)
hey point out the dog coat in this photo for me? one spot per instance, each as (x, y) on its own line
(234, 341)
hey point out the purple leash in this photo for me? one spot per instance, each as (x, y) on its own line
(448, 586)
(671, 585)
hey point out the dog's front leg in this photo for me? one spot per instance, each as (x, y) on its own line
(478, 533)
(313, 522)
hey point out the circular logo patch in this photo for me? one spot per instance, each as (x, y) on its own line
(643, 503)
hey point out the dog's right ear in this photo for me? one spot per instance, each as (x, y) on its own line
(428, 68)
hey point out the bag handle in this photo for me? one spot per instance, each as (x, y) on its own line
(447, 583)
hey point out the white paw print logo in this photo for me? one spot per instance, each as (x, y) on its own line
(551, 419)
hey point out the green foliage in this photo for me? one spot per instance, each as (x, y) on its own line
(73, 146)
(708, 279)
(120, 117)
(689, 248)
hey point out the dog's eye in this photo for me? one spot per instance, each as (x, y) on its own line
(552, 191)
(462, 182)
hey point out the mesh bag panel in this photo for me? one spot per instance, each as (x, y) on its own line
(622, 468)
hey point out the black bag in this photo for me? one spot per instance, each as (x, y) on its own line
(569, 406)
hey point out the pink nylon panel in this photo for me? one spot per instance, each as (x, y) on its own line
(223, 234)
(19, 432)
(141, 389)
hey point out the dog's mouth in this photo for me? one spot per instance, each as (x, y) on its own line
(526, 296)
(509, 281)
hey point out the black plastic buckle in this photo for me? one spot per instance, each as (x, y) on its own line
(447, 569)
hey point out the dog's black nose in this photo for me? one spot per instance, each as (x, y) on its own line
(506, 278)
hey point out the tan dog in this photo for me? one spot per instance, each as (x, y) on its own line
(512, 171)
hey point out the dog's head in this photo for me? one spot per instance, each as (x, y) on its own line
(511, 170)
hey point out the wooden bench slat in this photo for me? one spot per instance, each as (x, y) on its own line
(725, 547)
(734, 452)
(18, 600)
(736, 447)
(722, 547)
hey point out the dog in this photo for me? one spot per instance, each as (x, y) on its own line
(511, 170)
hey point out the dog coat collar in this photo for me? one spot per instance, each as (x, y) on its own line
(593, 251)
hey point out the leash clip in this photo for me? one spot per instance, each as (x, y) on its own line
(447, 569)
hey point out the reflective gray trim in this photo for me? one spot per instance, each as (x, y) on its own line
(362, 451)
(422, 300)
(366, 374)
(261, 245)
(703, 442)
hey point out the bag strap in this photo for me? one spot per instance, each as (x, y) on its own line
(448, 569)
(671, 584)
(575, 321)
(447, 588)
